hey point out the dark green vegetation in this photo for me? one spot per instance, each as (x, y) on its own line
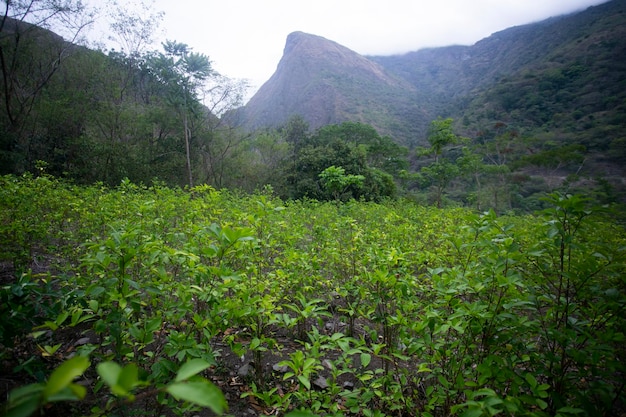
(158, 259)
(553, 122)
(96, 117)
(531, 126)
(556, 87)
(155, 117)
(146, 299)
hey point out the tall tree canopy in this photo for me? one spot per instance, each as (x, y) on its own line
(29, 57)
(184, 72)
(354, 150)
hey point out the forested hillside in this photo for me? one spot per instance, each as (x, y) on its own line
(526, 111)
(93, 116)
(544, 101)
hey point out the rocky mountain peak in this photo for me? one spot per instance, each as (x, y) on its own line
(330, 54)
(321, 80)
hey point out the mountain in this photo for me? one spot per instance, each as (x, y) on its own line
(538, 77)
(328, 83)
(543, 106)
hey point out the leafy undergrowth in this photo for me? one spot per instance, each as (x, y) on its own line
(156, 301)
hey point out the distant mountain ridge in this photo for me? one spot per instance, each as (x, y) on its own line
(399, 95)
(328, 83)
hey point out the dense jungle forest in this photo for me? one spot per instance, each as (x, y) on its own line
(158, 259)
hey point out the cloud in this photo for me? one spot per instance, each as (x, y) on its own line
(245, 38)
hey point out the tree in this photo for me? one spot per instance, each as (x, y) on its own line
(183, 72)
(296, 132)
(133, 26)
(440, 174)
(501, 144)
(441, 171)
(29, 57)
(120, 98)
(440, 136)
(132, 29)
(471, 165)
(336, 182)
(355, 147)
(381, 151)
(220, 141)
(260, 160)
(220, 149)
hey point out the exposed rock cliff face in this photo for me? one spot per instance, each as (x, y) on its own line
(327, 83)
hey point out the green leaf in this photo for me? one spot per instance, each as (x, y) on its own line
(129, 377)
(423, 367)
(202, 393)
(62, 317)
(65, 374)
(484, 391)
(304, 381)
(79, 390)
(24, 401)
(300, 413)
(365, 377)
(153, 325)
(109, 372)
(70, 393)
(308, 363)
(366, 358)
(569, 410)
(93, 305)
(472, 412)
(96, 291)
(49, 324)
(35, 335)
(191, 368)
(27, 391)
(119, 380)
(255, 343)
(24, 409)
(443, 381)
(532, 381)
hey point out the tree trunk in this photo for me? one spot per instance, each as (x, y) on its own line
(187, 148)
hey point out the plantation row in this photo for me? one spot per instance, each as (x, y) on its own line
(158, 301)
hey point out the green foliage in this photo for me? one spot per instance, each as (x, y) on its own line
(367, 308)
(336, 182)
(165, 116)
(24, 401)
(556, 158)
(440, 136)
(440, 172)
(182, 73)
(367, 160)
(186, 386)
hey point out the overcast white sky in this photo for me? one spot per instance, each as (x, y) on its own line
(244, 39)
